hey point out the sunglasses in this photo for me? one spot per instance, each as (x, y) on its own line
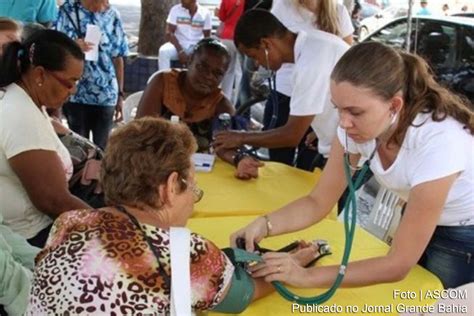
(197, 192)
(65, 83)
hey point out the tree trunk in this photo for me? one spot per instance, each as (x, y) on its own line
(153, 25)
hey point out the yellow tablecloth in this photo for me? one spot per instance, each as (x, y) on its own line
(225, 195)
(418, 281)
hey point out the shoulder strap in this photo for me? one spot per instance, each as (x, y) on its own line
(76, 26)
(180, 249)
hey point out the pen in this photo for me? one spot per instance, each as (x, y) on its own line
(202, 165)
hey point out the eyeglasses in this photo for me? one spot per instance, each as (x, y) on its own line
(197, 192)
(65, 83)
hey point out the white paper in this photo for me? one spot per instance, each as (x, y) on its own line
(93, 35)
(203, 162)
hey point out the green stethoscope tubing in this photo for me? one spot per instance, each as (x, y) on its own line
(350, 206)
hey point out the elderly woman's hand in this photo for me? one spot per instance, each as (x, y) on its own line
(228, 139)
(247, 168)
(280, 266)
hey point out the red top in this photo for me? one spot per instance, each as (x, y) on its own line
(229, 13)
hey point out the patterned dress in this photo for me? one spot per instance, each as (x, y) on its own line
(97, 262)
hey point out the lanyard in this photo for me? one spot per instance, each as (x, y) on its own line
(76, 26)
(148, 240)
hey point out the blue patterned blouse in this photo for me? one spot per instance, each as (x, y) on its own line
(98, 85)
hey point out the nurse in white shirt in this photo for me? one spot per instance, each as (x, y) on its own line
(34, 165)
(421, 139)
(262, 37)
(303, 15)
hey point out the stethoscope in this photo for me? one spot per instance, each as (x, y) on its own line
(273, 93)
(350, 215)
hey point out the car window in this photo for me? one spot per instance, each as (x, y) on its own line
(466, 45)
(437, 44)
(393, 34)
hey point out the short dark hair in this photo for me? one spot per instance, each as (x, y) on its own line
(46, 48)
(213, 45)
(256, 24)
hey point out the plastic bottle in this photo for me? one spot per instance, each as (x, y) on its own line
(174, 119)
(225, 122)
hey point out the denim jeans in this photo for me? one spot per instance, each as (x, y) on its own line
(449, 255)
(305, 156)
(284, 155)
(85, 118)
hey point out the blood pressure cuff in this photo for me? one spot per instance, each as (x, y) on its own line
(242, 286)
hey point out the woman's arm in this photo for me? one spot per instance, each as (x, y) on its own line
(305, 211)
(348, 39)
(152, 98)
(247, 167)
(42, 175)
(421, 216)
(119, 72)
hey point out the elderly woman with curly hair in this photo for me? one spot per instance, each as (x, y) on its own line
(117, 259)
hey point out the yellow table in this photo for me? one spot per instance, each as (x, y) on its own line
(225, 195)
(365, 245)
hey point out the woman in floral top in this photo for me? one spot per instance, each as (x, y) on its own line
(116, 260)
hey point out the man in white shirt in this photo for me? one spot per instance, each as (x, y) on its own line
(187, 24)
(262, 37)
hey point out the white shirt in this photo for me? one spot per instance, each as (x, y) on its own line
(298, 19)
(316, 54)
(24, 127)
(189, 30)
(431, 151)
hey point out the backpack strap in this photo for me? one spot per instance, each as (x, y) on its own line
(180, 249)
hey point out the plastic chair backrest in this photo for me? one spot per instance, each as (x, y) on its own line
(130, 106)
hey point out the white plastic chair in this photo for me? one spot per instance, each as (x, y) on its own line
(152, 76)
(130, 106)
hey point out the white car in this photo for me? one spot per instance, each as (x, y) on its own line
(370, 24)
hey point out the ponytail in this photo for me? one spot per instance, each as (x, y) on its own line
(423, 94)
(14, 62)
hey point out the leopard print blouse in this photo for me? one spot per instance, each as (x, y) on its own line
(97, 262)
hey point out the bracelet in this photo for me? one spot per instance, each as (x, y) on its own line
(269, 225)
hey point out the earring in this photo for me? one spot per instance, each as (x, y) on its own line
(40, 84)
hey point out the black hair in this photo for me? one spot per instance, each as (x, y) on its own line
(46, 48)
(256, 24)
(213, 45)
(30, 29)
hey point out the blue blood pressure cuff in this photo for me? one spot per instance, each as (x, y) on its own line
(242, 286)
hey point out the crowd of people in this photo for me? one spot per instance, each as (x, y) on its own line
(87, 227)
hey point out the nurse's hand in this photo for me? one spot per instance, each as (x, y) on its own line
(228, 140)
(283, 267)
(252, 233)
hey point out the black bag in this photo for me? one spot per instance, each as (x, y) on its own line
(86, 159)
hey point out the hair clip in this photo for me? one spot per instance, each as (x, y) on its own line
(31, 52)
